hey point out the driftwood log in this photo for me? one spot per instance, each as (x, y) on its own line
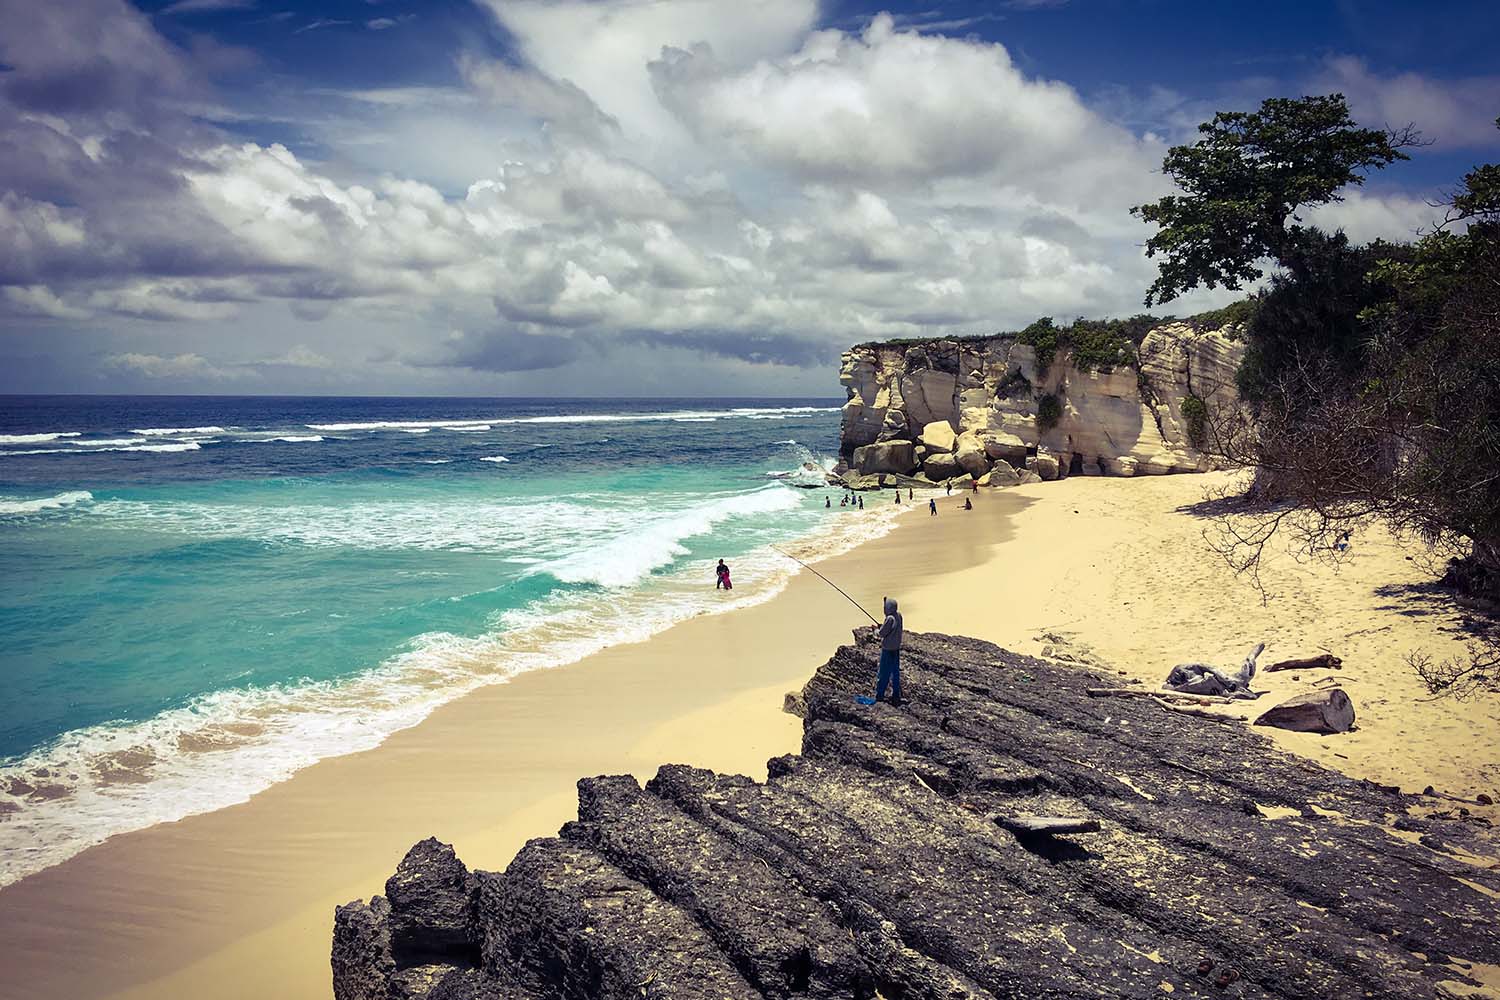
(1145, 692)
(1047, 825)
(841, 878)
(1321, 661)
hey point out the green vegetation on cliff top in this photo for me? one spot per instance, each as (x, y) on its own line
(1096, 344)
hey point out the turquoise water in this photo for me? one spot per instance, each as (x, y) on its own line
(199, 596)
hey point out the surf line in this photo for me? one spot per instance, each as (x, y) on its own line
(830, 583)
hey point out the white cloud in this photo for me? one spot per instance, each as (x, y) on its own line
(900, 106)
(1454, 113)
(156, 366)
(603, 46)
(1365, 216)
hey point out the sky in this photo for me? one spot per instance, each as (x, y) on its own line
(637, 197)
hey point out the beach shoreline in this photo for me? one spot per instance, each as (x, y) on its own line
(239, 902)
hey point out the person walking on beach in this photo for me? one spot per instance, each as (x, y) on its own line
(949, 486)
(908, 493)
(932, 506)
(721, 574)
(890, 654)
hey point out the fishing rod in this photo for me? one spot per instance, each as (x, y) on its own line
(830, 583)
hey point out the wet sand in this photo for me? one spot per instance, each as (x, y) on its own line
(238, 903)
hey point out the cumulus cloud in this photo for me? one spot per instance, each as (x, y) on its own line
(1454, 113)
(889, 105)
(559, 103)
(603, 46)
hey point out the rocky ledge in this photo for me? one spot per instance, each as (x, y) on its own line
(874, 864)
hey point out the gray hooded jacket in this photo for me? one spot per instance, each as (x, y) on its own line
(890, 630)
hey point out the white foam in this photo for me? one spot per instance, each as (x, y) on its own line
(173, 431)
(223, 748)
(36, 438)
(401, 425)
(494, 458)
(13, 507)
(173, 446)
(749, 412)
(293, 438)
(656, 541)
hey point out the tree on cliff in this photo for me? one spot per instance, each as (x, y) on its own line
(1245, 180)
(1372, 373)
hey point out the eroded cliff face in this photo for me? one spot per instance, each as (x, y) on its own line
(963, 404)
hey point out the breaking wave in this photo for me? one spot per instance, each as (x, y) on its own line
(13, 507)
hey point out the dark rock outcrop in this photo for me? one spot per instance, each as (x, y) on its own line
(871, 864)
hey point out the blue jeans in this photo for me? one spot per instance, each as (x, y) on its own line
(890, 673)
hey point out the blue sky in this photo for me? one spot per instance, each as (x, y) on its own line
(592, 197)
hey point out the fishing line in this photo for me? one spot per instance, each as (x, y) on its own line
(830, 583)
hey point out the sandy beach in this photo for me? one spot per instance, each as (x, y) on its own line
(238, 903)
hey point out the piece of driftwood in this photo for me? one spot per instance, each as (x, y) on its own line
(1199, 713)
(1145, 692)
(1322, 660)
(1326, 710)
(1048, 825)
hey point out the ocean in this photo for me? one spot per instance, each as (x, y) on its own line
(201, 595)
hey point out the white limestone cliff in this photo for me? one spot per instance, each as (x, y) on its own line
(988, 391)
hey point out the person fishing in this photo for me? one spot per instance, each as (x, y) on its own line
(721, 574)
(890, 654)
(890, 632)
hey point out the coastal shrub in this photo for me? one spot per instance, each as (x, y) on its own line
(1096, 344)
(1195, 414)
(1040, 336)
(1048, 411)
(1237, 316)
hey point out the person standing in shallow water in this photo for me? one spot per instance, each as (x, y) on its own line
(890, 654)
(721, 576)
